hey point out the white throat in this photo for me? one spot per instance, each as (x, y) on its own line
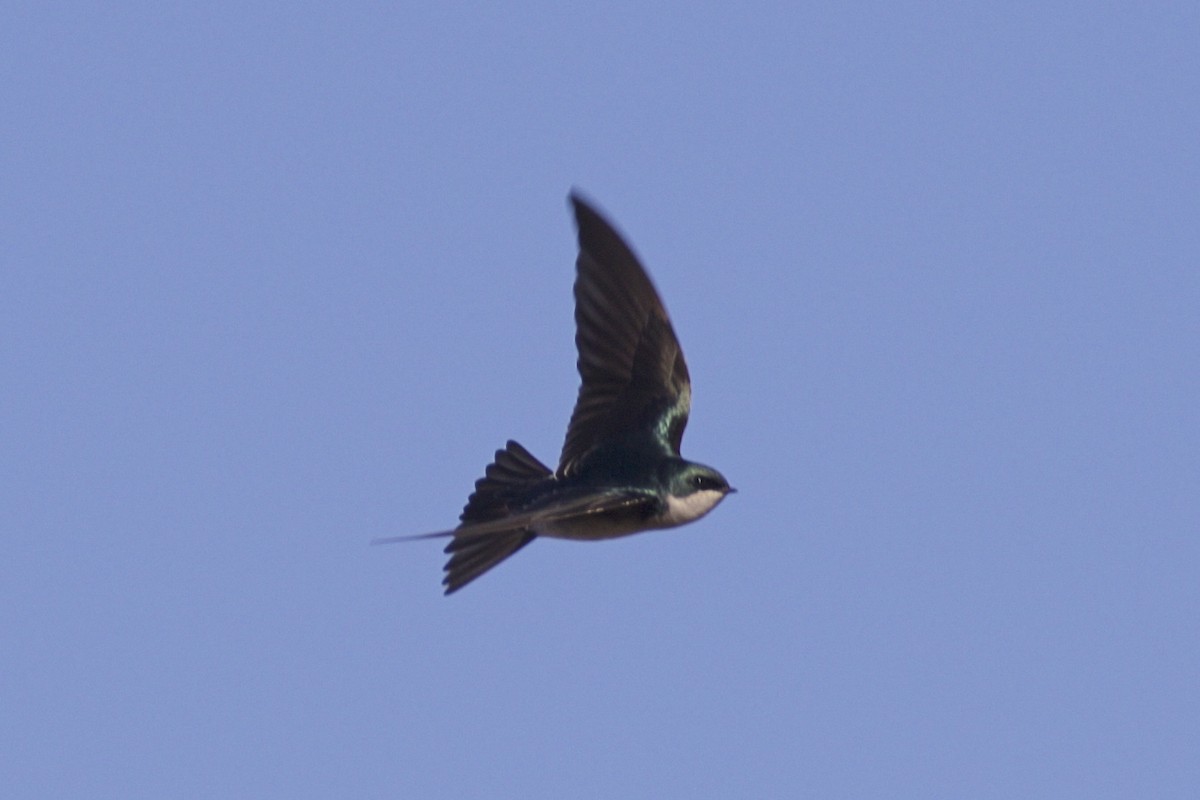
(692, 506)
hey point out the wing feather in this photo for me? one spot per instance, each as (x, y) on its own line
(634, 380)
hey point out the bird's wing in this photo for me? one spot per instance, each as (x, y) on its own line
(476, 548)
(570, 510)
(634, 378)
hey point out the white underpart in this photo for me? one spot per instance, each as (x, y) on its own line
(690, 507)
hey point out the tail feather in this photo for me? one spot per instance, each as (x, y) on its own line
(481, 554)
(512, 471)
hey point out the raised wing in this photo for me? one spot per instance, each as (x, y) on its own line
(634, 379)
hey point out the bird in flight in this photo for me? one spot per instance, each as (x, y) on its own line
(620, 471)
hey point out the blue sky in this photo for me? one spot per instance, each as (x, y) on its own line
(278, 280)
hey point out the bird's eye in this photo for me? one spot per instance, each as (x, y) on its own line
(703, 482)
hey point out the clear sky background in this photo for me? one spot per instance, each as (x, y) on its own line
(277, 280)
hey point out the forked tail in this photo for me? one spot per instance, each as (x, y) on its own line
(505, 479)
(474, 552)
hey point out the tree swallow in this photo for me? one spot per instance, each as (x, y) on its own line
(620, 471)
